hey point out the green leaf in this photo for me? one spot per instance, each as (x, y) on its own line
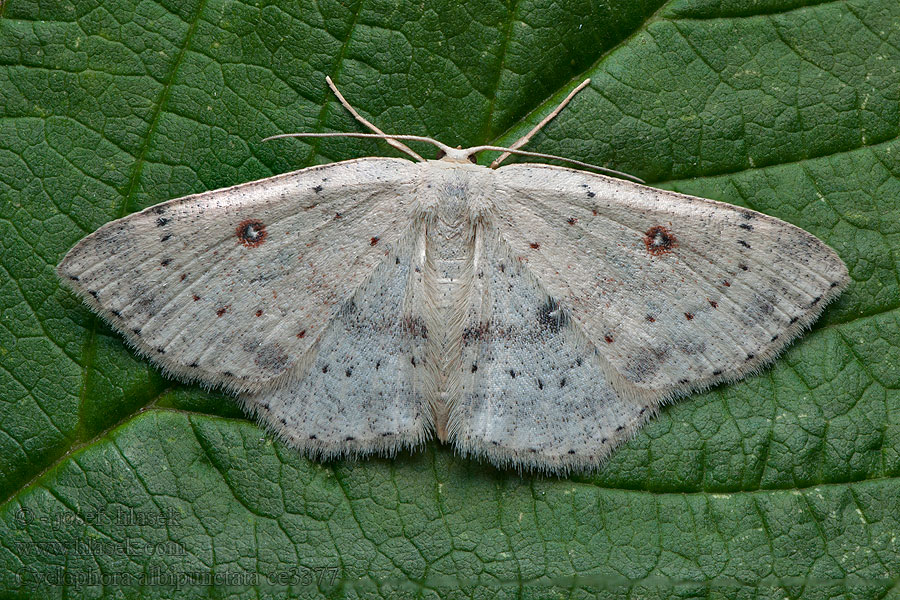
(112, 476)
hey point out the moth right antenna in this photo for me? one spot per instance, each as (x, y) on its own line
(527, 137)
(613, 172)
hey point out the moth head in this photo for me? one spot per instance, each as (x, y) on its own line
(457, 155)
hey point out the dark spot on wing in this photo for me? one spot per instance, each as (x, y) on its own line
(774, 337)
(221, 311)
(691, 347)
(75, 278)
(183, 276)
(713, 303)
(726, 283)
(743, 267)
(165, 238)
(683, 381)
(338, 215)
(793, 320)
(744, 244)
(717, 372)
(759, 308)
(540, 383)
(272, 358)
(116, 313)
(750, 357)
(249, 346)
(194, 365)
(608, 338)
(159, 209)
(146, 302)
(162, 222)
(136, 331)
(94, 294)
(746, 226)
(348, 372)
(551, 317)
(689, 316)
(347, 309)
(412, 361)
(161, 350)
(265, 277)
(415, 327)
(534, 245)
(834, 284)
(300, 335)
(650, 318)
(195, 297)
(647, 363)
(562, 382)
(512, 373)
(747, 215)
(325, 369)
(374, 240)
(659, 240)
(474, 367)
(251, 232)
(591, 194)
(317, 189)
(571, 220)
(259, 313)
(165, 262)
(815, 300)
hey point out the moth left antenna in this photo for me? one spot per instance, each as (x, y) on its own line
(527, 137)
(398, 145)
(378, 136)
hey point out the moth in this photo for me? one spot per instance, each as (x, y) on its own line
(529, 314)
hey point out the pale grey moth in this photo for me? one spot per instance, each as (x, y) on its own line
(530, 314)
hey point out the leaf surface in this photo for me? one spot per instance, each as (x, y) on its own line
(784, 484)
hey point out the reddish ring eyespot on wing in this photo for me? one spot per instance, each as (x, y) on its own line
(660, 240)
(251, 232)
